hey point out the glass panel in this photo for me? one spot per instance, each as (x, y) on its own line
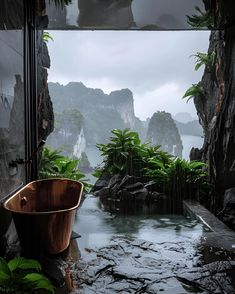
(12, 137)
(130, 14)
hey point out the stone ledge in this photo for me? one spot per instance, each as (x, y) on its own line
(219, 235)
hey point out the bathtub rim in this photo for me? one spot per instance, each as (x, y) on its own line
(44, 212)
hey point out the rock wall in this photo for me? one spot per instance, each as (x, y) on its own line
(216, 106)
(45, 108)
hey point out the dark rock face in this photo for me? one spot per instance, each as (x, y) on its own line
(45, 109)
(163, 131)
(195, 154)
(216, 107)
(127, 194)
(228, 212)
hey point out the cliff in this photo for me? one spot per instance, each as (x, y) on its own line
(101, 112)
(163, 131)
(68, 135)
(216, 106)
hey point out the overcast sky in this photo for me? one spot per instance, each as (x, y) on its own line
(155, 66)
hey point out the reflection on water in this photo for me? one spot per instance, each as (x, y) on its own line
(133, 14)
(97, 227)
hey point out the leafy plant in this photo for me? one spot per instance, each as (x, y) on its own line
(179, 178)
(46, 37)
(194, 91)
(205, 59)
(124, 153)
(157, 169)
(22, 276)
(53, 165)
(202, 19)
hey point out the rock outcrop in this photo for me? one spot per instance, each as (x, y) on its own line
(68, 135)
(129, 195)
(163, 131)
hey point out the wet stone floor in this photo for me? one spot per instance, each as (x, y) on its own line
(146, 254)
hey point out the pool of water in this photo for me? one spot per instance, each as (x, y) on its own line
(97, 226)
(145, 253)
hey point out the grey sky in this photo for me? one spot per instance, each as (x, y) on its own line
(155, 66)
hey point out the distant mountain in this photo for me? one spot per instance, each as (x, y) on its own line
(163, 131)
(183, 117)
(86, 116)
(101, 112)
(192, 128)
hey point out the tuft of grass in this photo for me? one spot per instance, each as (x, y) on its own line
(47, 37)
(201, 20)
(205, 59)
(194, 91)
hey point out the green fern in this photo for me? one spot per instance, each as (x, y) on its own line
(205, 59)
(46, 37)
(194, 91)
(201, 20)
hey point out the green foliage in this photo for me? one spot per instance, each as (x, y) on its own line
(205, 59)
(124, 153)
(47, 37)
(194, 91)
(53, 165)
(201, 19)
(159, 170)
(22, 276)
(178, 177)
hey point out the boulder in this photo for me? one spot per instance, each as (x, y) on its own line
(229, 198)
(128, 180)
(140, 195)
(135, 187)
(102, 182)
(114, 180)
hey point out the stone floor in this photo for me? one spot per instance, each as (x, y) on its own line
(148, 254)
(138, 266)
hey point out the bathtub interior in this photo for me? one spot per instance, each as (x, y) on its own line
(46, 196)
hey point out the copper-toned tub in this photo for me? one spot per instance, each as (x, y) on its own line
(43, 213)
